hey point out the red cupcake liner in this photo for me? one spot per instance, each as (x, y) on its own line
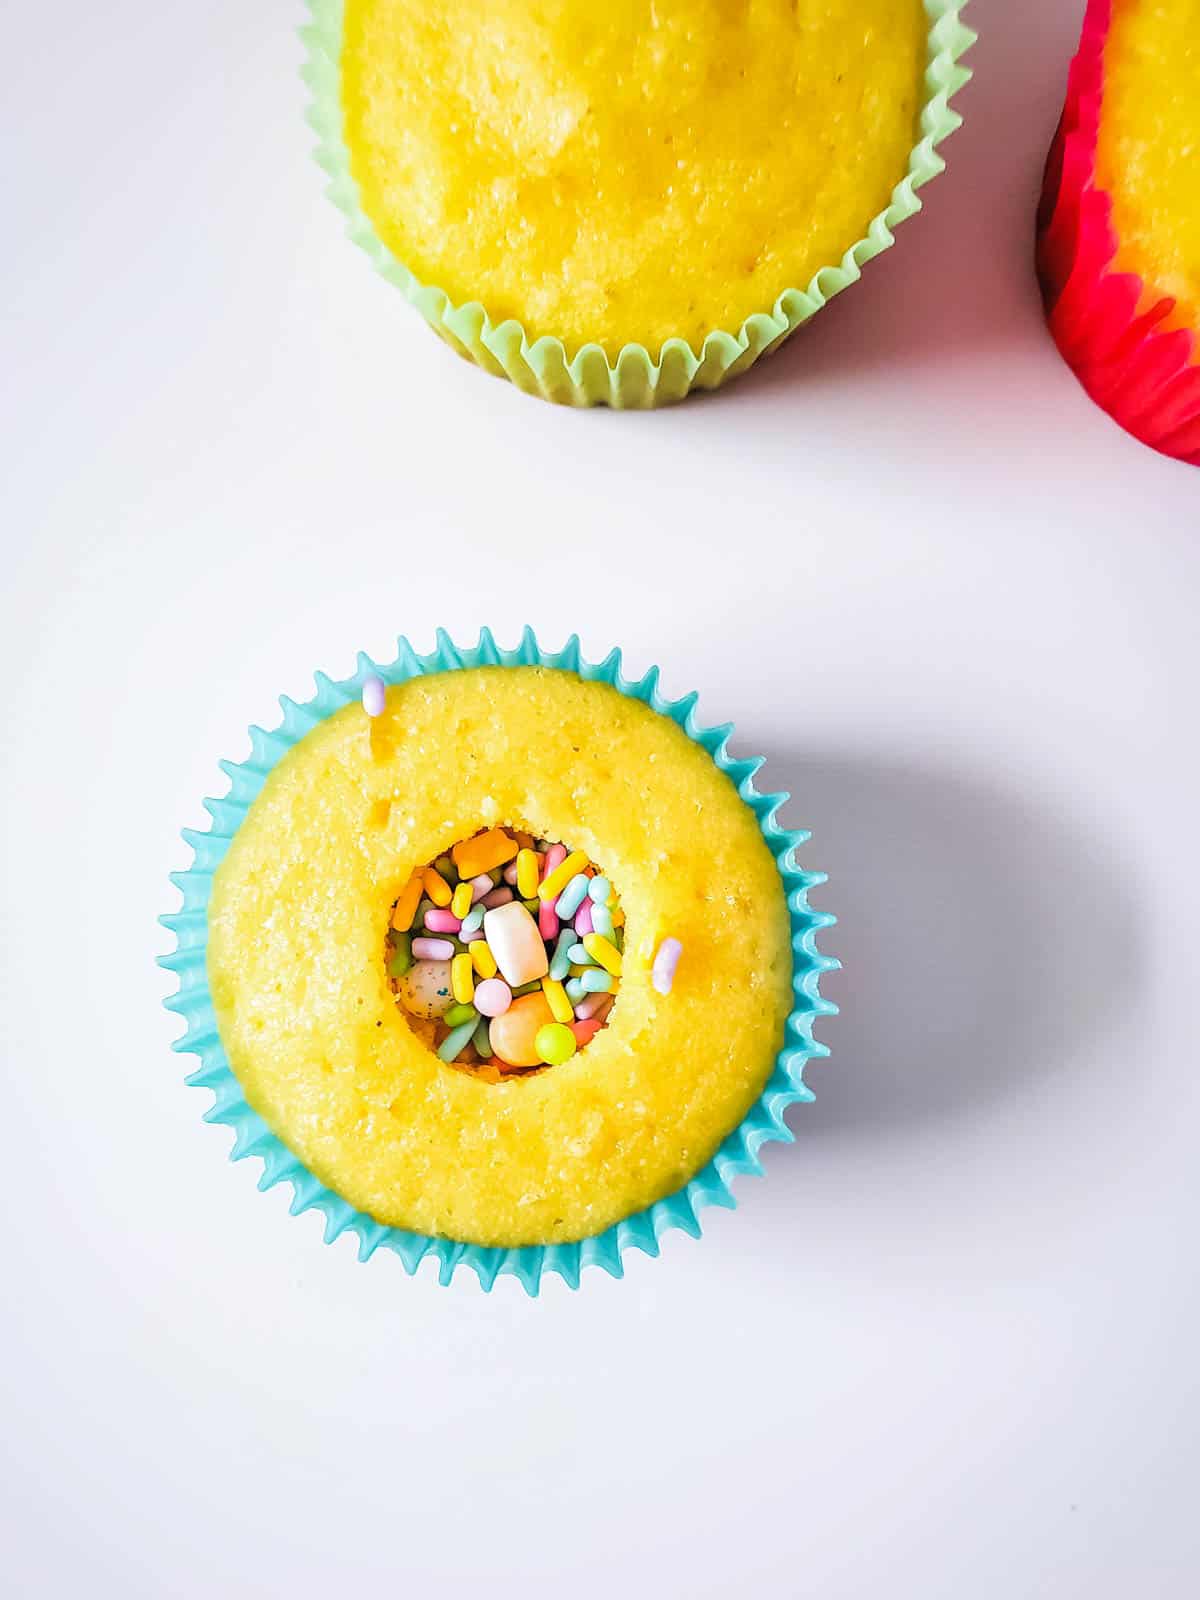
(1143, 375)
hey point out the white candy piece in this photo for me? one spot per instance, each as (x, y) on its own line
(425, 990)
(514, 940)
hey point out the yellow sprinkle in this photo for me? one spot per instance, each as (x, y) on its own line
(406, 906)
(527, 874)
(482, 957)
(556, 999)
(460, 900)
(603, 952)
(462, 979)
(483, 853)
(436, 886)
(555, 882)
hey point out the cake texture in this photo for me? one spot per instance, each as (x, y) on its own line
(620, 203)
(1119, 224)
(320, 1068)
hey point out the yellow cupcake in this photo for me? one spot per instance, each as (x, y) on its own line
(1147, 149)
(297, 941)
(640, 176)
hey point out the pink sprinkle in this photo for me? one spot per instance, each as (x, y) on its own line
(441, 921)
(479, 887)
(547, 921)
(432, 949)
(470, 938)
(510, 874)
(594, 1006)
(554, 857)
(374, 696)
(497, 897)
(583, 919)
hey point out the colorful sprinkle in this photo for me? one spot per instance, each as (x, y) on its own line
(583, 918)
(556, 999)
(433, 949)
(482, 958)
(456, 1040)
(600, 890)
(374, 696)
(662, 973)
(439, 921)
(436, 887)
(473, 920)
(603, 952)
(525, 874)
(462, 900)
(553, 884)
(572, 897)
(483, 852)
(602, 921)
(406, 906)
(595, 981)
(462, 979)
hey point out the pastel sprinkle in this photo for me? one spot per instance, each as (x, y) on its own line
(579, 957)
(561, 964)
(374, 696)
(460, 1013)
(436, 887)
(585, 1031)
(480, 886)
(483, 959)
(481, 1039)
(555, 882)
(575, 990)
(602, 921)
(406, 905)
(603, 952)
(547, 921)
(525, 874)
(662, 974)
(472, 937)
(556, 998)
(473, 920)
(461, 900)
(462, 979)
(554, 857)
(595, 1005)
(595, 981)
(456, 1040)
(432, 949)
(510, 873)
(599, 890)
(497, 897)
(583, 918)
(439, 921)
(571, 898)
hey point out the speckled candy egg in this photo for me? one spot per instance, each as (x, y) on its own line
(425, 990)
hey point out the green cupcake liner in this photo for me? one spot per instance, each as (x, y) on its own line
(634, 380)
(528, 1263)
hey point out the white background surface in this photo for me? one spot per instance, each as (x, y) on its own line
(946, 1349)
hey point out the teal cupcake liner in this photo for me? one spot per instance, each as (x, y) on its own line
(634, 380)
(739, 1153)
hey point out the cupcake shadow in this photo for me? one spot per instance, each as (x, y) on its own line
(984, 940)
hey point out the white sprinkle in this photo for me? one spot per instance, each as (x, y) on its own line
(374, 696)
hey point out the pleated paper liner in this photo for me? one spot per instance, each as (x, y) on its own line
(529, 1263)
(635, 379)
(1112, 334)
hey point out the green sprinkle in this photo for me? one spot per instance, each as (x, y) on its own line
(458, 1014)
(447, 869)
(400, 959)
(456, 1041)
(532, 906)
(483, 1039)
(527, 988)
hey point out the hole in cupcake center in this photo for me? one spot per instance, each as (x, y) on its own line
(505, 954)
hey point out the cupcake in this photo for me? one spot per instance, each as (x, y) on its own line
(1119, 225)
(500, 957)
(621, 203)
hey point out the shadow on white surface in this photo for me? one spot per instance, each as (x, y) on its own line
(960, 277)
(984, 941)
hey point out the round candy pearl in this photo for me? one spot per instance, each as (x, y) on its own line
(555, 1043)
(513, 1033)
(424, 990)
(492, 997)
